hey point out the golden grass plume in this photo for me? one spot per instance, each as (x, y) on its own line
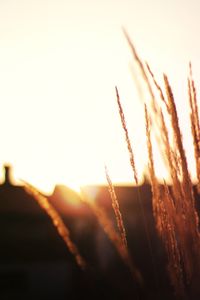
(115, 205)
(174, 208)
(61, 228)
(114, 237)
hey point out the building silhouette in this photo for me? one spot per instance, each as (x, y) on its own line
(35, 263)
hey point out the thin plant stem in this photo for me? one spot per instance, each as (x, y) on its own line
(57, 221)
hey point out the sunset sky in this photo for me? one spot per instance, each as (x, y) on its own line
(59, 64)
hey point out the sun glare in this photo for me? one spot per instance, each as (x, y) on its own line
(58, 69)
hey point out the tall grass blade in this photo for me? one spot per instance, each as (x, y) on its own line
(57, 221)
(114, 237)
(195, 126)
(115, 205)
(128, 142)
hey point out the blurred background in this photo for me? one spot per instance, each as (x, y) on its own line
(60, 62)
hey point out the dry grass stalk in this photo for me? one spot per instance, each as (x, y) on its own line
(186, 223)
(169, 238)
(115, 205)
(153, 179)
(185, 219)
(156, 203)
(175, 214)
(156, 196)
(128, 142)
(194, 136)
(155, 113)
(181, 157)
(196, 111)
(195, 126)
(132, 162)
(162, 97)
(164, 213)
(145, 77)
(141, 67)
(171, 160)
(114, 237)
(57, 221)
(176, 132)
(186, 181)
(162, 139)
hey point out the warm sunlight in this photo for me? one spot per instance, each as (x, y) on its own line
(100, 149)
(60, 62)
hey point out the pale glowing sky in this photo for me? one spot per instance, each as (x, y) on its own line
(59, 63)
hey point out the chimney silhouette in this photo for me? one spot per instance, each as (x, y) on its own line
(7, 177)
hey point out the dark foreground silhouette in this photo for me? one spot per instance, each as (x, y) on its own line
(35, 263)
